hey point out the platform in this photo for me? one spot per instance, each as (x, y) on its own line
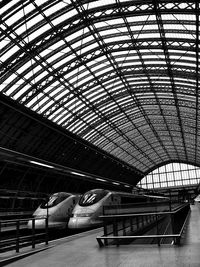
(82, 250)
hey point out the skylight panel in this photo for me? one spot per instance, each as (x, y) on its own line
(189, 64)
(12, 89)
(88, 48)
(53, 57)
(8, 5)
(39, 32)
(187, 17)
(108, 107)
(54, 8)
(138, 18)
(100, 60)
(64, 118)
(178, 26)
(45, 52)
(29, 74)
(82, 81)
(180, 58)
(58, 117)
(75, 105)
(9, 80)
(64, 17)
(59, 94)
(56, 114)
(71, 74)
(47, 105)
(21, 91)
(116, 39)
(74, 35)
(43, 100)
(39, 3)
(56, 45)
(94, 4)
(80, 75)
(20, 29)
(87, 39)
(54, 85)
(26, 65)
(95, 96)
(168, 17)
(113, 31)
(121, 53)
(100, 72)
(94, 91)
(92, 118)
(186, 80)
(149, 35)
(15, 17)
(64, 61)
(40, 76)
(131, 63)
(9, 53)
(110, 22)
(179, 35)
(35, 100)
(146, 27)
(4, 42)
(101, 126)
(90, 135)
(99, 66)
(116, 88)
(77, 126)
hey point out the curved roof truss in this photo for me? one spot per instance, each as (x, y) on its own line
(123, 75)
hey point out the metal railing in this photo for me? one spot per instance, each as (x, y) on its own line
(121, 227)
(19, 238)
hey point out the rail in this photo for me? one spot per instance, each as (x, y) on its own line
(18, 240)
(121, 225)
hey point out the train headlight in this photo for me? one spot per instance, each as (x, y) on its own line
(41, 217)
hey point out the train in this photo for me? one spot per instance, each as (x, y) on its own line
(197, 199)
(90, 206)
(58, 209)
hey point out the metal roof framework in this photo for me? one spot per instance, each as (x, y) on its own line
(122, 75)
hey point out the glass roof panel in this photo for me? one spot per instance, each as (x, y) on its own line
(54, 8)
(113, 72)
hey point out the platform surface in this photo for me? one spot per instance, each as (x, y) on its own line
(83, 251)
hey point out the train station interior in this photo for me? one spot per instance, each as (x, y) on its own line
(101, 95)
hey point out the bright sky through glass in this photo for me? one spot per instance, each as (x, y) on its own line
(171, 175)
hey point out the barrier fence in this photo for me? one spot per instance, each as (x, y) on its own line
(17, 239)
(120, 228)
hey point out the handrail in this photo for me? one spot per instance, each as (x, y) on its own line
(21, 220)
(175, 236)
(18, 238)
(142, 214)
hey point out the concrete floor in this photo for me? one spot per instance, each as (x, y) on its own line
(83, 251)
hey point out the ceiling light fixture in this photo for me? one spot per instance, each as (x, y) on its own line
(41, 164)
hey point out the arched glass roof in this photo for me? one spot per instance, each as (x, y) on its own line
(123, 75)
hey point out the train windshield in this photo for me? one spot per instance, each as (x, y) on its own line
(54, 200)
(92, 197)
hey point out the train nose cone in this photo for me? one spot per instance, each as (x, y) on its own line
(39, 224)
(76, 223)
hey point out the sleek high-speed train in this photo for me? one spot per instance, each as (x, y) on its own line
(58, 209)
(197, 199)
(90, 206)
